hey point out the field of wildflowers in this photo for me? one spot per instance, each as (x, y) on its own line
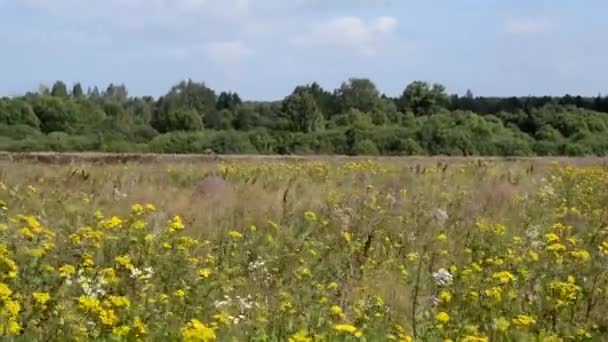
(304, 251)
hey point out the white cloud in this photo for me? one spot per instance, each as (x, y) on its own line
(529, 25)
(385, 24)
(352, 32)
(228, 52)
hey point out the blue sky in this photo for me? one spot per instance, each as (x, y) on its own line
(264, 48)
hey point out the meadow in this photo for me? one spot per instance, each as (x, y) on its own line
(465, 250)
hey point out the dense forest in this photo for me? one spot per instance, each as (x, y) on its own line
(355, 119)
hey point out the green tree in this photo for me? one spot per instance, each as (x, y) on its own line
(184, 120)
(423, 99)
(77, 91)
(18, 112)
(358, 93)
(59, 89)
(302, 111)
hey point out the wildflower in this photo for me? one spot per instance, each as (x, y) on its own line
(223, 318)
(41, 298)
(125, 261)
(108, 317)
(310, 216)
(180, 293)
(13, 327)
(442, 317)
(137, 209)
(604, 248)
(67, 271)
(13, 307)
(89, 303)
(337, 311)
(150, 207)
(195, 331)
(413, 257)
(580, 255)
(551, 238)
(5, 292)
(347, 328)
(524, 321)
(235, 235)
(139, 326)
(120, 301)
(204, 273)
(494, 293)
(176, 224)
(442, 237)
(121, 331)
(109, 275)
(445, 296)
(347, 236)
(501, 324)
(112, 223)
(332, 286)
(504, 277)
(442, 277)
(300, 336)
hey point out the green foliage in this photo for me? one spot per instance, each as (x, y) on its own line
(354, 119)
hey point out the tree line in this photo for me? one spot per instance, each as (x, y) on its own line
(354, 119)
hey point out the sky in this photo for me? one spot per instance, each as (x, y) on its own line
(262, 49)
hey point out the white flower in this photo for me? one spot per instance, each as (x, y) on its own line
(442, 277)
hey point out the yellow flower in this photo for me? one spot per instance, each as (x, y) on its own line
(150, 207)
(125, 261)
(67, 271)
(180, 293)
(501, 324)
(163, 298)
(310, 216)
(494, 293)
(551, 238)
(442, 317)
(336, 311)
(112, 223)
(445, 296)
(580, 255)
(137, 209)
(5, 292)
(13, 307)
(139, 326)
(413, 257)
(120, 301)
(300, 336)
(524, 321)
(204, 273)
(604, 248)
(176, 224)
(121, 331)
(222, 318)
(347, 328)
(41, 297)
(13, 327)
(235, 235)
(347, 236)
(442, 237)
(109, 275)
(504, 277)
(195, 331)
(108, 317)
(89, 303)
(332, 286)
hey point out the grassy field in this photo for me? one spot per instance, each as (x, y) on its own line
(304, 250)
